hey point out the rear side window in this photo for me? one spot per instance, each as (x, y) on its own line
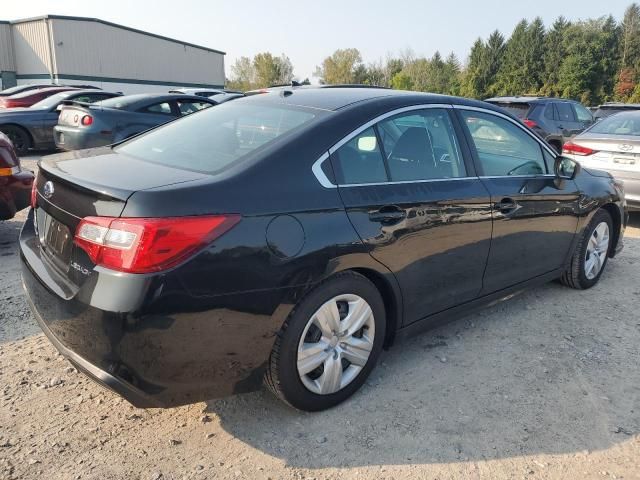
(503, 148)
(421, 146)
(582, 114)
(549, 112)
(360, 160)
(163, 108)
(189, 106)
(218, 137)
(565, 112)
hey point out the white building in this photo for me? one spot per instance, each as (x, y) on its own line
(75, 51)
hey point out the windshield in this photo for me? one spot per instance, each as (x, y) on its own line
(51, 101)
(626, 123)
(213, 139)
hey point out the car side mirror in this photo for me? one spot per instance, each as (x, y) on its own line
(566, 168)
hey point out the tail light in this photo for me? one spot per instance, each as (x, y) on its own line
(9, 103)
(575, 149)
(144, 245)
(530, 123)
(34, 193)
(9, 163)
(87, 120)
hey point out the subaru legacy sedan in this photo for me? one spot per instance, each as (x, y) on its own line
(289, 237)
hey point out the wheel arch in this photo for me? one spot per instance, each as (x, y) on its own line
(392, 303)
(616, 217)
(19, 127)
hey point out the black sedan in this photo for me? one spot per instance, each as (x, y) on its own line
(32, 127)
(293, 235)
(86, 126)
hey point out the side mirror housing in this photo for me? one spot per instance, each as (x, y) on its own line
(566, 168)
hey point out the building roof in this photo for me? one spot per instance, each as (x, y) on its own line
(111, 24)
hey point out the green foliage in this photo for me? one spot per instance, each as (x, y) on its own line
(344, 66)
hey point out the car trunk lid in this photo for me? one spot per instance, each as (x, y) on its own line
(70, 188)
(611, 151)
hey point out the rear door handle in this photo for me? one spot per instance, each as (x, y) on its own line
(387, 215)
(507, 206)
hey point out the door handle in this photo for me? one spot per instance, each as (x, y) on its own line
(507, 206)
(387, 215)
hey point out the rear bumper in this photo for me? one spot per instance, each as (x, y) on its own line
(72, 138)
(15, 193)
(166, 348)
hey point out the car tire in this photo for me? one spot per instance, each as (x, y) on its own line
(349, 300)
(19, 138)
(591, 254)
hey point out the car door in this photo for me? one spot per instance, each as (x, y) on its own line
(416, 202)
(535, 214)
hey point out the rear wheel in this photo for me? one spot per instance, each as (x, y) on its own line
(591, 254)
(19, 138)
(329, 344)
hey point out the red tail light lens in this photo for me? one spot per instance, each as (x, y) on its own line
(530, 123)
(34, 193)
(87, 120)
(8, 103)
(574, 149)
(144, 245)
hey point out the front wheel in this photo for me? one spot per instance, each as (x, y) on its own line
(329, 344)
(591, 254)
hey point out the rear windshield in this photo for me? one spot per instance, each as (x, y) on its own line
(213, 139)
(626, 123)
(118, 102)
(518, 109)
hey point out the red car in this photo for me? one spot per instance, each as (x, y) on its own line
(28, 98)
(15, 183)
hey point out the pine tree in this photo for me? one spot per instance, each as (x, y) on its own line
(553, 56)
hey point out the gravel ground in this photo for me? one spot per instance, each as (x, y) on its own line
(546, 385)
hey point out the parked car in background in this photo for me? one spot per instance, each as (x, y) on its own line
(609, 108)
(613, 145)
(31, 97)
(295, 235)
(15, 183)
(32, 127)
(554, 119)
(110, 121)
(203, 92)
(7, 92)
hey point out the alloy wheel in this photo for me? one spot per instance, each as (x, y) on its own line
(597, 250)
(336, 344)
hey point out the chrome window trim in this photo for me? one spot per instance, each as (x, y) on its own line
(326, 183)
(319, 174)
(523, 127)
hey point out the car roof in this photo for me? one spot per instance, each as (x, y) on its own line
(39, 91)
(339, 97)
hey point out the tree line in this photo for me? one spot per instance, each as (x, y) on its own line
(593, 61)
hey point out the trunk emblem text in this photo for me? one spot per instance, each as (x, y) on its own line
(47, 192)
(625, 147)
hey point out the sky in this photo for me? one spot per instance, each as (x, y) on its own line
(307, 32)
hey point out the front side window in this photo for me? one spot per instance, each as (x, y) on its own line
(503, 148)
(582, 114)
(421, 146)
(360, 160)
(217, 137)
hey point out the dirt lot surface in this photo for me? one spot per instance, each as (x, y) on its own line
(546, 385)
